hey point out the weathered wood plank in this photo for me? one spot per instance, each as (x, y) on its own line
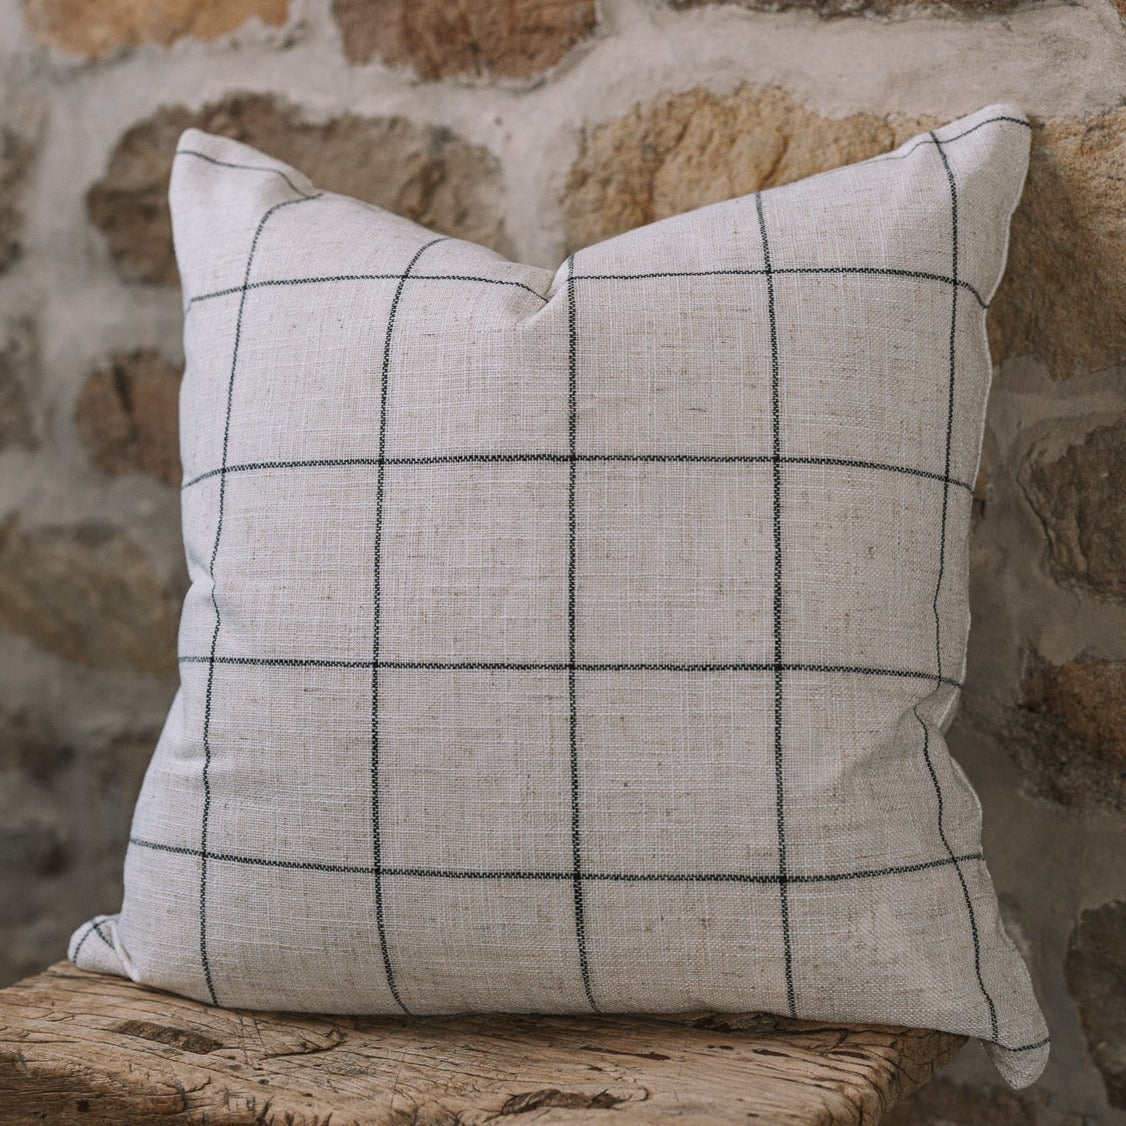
(85, 1048)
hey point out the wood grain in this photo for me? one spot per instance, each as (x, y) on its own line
(78, 1047)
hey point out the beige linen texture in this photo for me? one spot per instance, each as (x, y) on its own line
(584, 640)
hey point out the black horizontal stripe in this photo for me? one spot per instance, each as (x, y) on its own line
(247, 168)
(564, 459)
(549, 874)
(564, 666)
(862, 271)
(318, 279)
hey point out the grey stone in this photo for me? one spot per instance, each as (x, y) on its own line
(1096, 976)
(1080, 500)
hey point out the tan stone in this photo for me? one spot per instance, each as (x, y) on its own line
(699, 148)
(1071, 745)
(1096, 976)
(88, 593)
(18, 373)
(1080, 500)
(425, 173)
(1089, 699)
(439, 39)
(946, 1103)
(127, 415)
(16, 155)
(96, 28)
(1065, 285)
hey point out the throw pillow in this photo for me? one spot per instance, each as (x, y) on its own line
(581, 640)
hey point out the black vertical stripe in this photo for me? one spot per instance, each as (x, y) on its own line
(572, 705)
(204, 827)
(376, 568)
(942, 568)
(776, 458)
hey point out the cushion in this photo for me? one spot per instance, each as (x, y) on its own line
(584, 640)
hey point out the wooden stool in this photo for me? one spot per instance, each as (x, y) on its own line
(78, 1047)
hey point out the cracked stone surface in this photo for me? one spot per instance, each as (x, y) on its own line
(1066, 251)
(88, 593)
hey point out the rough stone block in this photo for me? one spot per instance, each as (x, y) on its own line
(437, 39)
(1071, 741)
(1080, 500)
(29, 747)
(1096, 977)
(127, 415)
(423, 172)
(18, 375)
(90, 594)
(699, 148)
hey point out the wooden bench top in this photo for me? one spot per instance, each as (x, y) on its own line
(77, 1047)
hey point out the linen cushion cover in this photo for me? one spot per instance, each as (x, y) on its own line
(581, 640)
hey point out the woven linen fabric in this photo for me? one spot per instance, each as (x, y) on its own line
(582, 640)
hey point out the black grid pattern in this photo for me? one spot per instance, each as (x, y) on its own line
(206, 775)
(778, 668)
(769, 878)
(579, 666)
(732, 272)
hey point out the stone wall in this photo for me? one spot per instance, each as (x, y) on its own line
(538, 126)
